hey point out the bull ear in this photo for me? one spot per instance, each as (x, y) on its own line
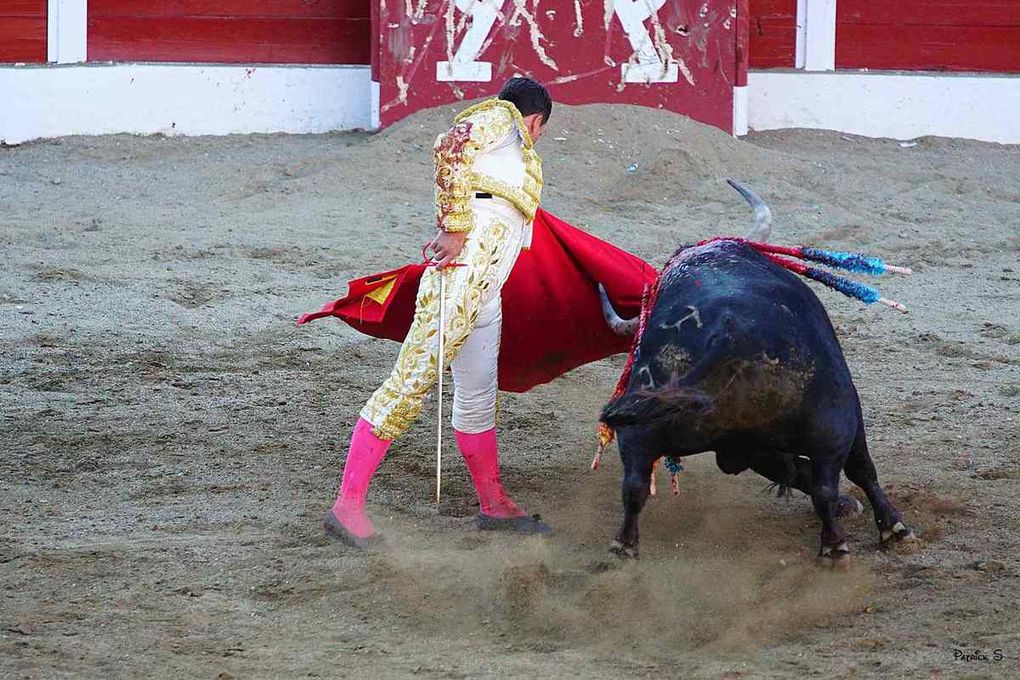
(624, 327)
(762, 214)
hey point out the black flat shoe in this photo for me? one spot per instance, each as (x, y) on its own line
(521, 525)
(338, 532)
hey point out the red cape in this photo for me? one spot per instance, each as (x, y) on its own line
(552, 317)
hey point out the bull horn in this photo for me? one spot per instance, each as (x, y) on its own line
(624, 327)
(762, 214)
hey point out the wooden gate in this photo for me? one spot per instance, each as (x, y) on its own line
(680, 55)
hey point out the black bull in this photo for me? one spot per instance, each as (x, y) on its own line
(739, 357)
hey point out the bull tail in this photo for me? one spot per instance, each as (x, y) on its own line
(644, 407)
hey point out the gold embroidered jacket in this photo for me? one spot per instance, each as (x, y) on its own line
(478, 155)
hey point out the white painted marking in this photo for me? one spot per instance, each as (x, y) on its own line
(464, 66)
(649, 67)
(578, 20)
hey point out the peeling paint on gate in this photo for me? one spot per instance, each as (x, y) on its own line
(673, 54)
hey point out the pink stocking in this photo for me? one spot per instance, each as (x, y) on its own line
(363, 458)
(482, 458)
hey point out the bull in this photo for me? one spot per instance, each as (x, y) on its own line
(739, 357)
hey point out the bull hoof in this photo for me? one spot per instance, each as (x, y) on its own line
(624, 552)
(848, 505)
(835, 557)
(901, 539)
(900, 533)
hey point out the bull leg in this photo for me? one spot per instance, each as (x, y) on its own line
(860, 470)
(637, 468)
(776, 469)
(825, 496)
(845, 504)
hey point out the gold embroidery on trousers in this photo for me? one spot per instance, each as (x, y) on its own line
(398, 402)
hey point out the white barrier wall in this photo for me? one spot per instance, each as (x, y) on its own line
(189, 99)
(887, 104)
(52, 101)
(66, 98)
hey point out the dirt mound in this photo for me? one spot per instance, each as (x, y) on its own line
(613, 152)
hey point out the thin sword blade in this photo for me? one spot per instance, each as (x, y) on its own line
(441, 361)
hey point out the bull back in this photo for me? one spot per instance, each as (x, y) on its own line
(733, 343)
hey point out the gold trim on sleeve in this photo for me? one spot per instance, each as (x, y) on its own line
(474, 129)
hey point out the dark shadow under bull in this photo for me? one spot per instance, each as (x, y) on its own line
(739, 357)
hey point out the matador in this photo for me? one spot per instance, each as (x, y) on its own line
(487, 189)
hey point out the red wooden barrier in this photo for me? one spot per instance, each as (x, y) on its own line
(773, 33)
(743, 40)
(944, 35)
(230, 31)
(22, 31)
(440, 52)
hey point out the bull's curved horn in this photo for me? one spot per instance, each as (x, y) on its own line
(762, 214)
(619, 326)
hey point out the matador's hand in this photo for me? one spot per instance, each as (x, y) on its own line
(446, 246)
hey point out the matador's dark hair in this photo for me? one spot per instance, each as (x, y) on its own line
(529, 96)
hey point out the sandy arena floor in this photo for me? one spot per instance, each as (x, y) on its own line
(171, 440)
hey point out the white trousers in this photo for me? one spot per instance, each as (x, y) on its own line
(473, 321)
(475, 372)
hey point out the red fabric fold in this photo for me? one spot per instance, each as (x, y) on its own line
(552, 317)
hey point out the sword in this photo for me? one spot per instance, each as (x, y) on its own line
(442, 357)
(441, 365)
